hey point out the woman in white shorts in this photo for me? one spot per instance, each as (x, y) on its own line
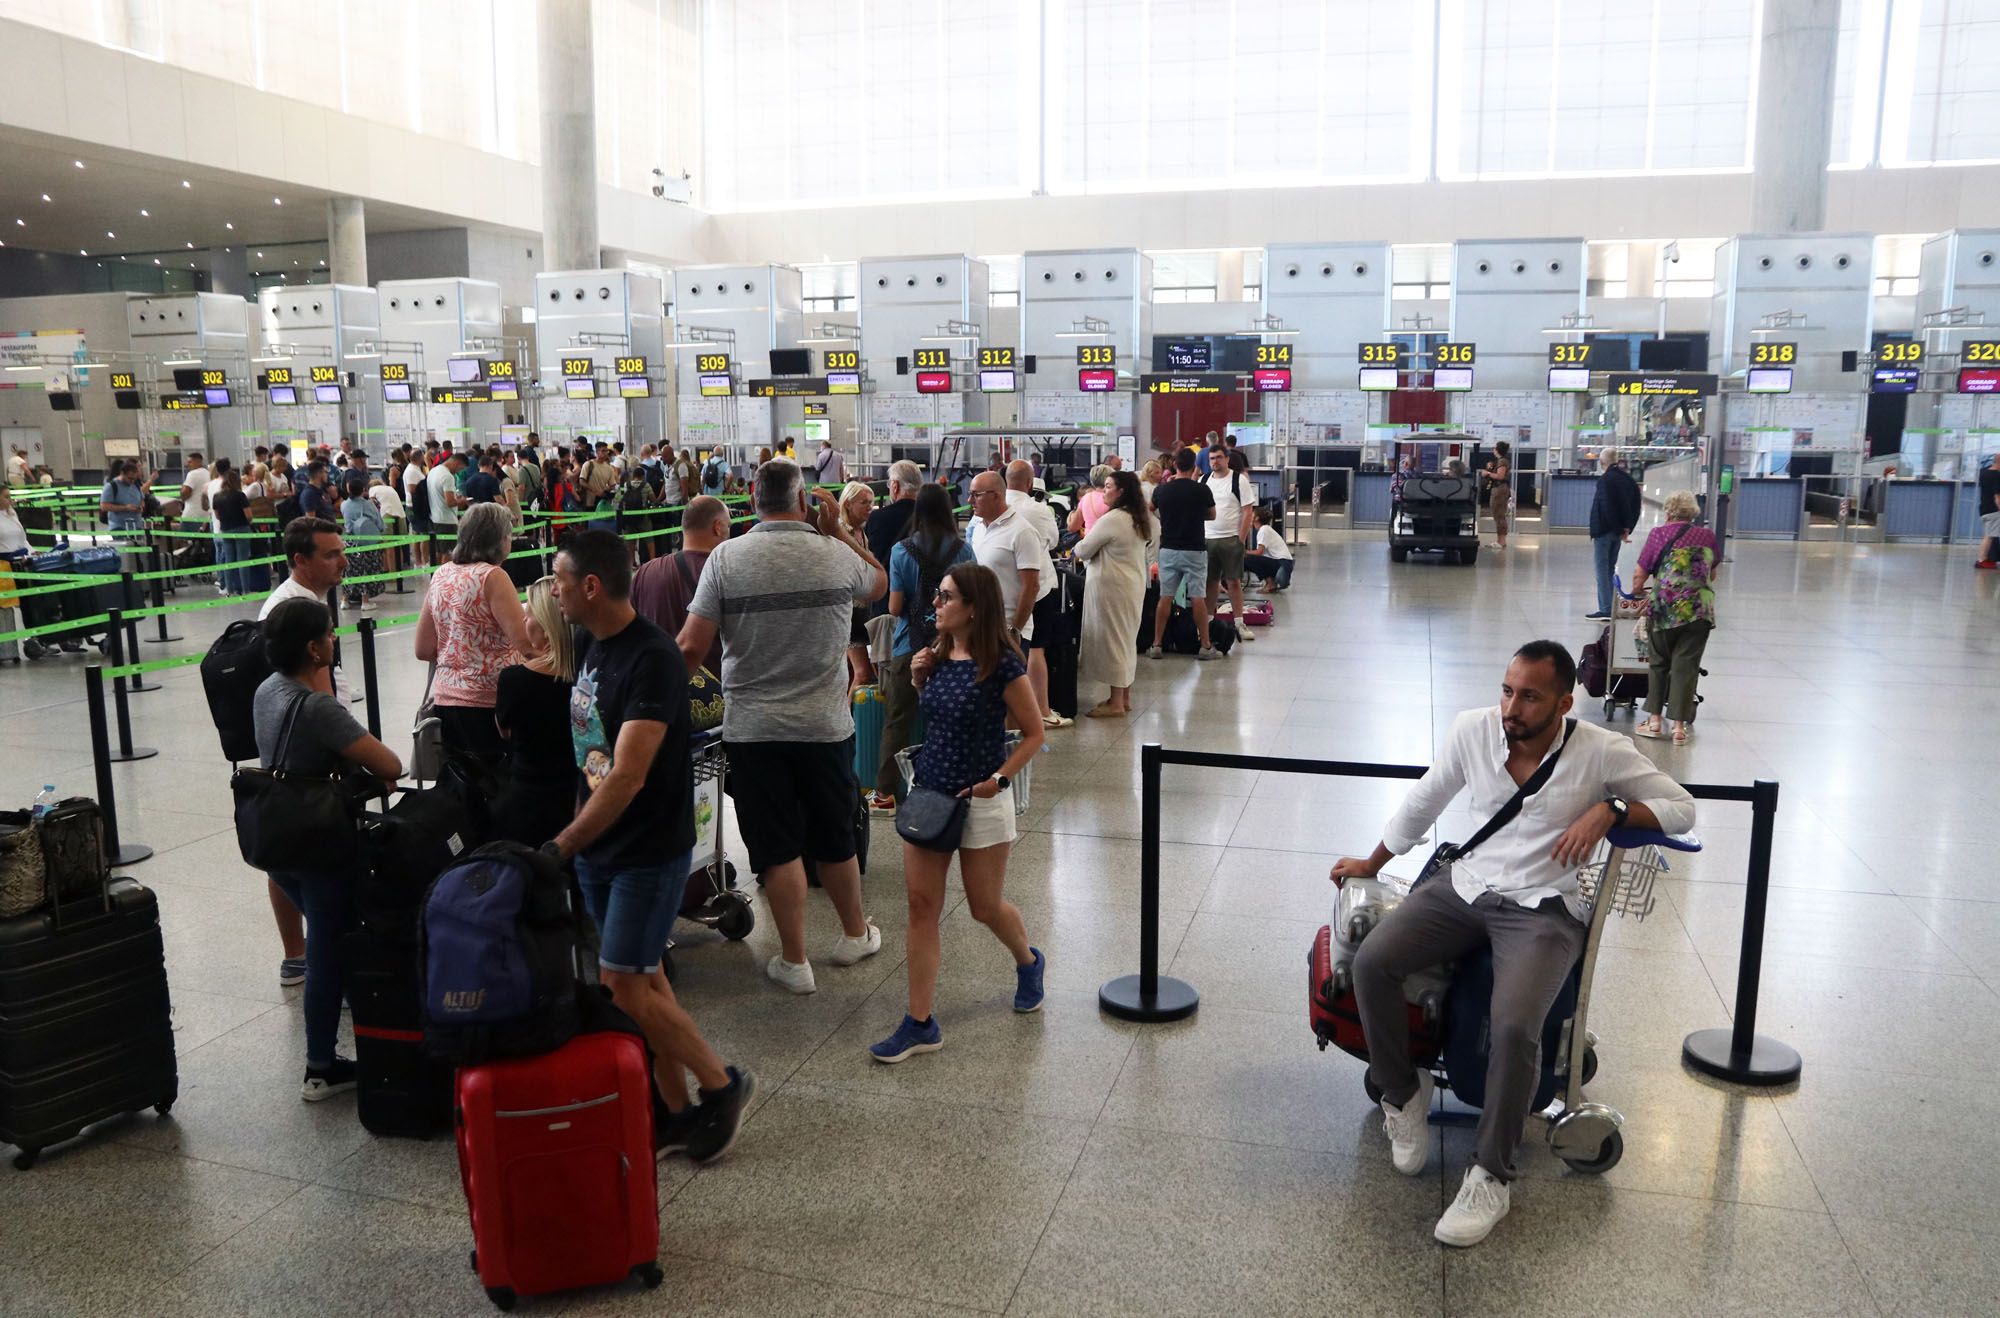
(968, 682)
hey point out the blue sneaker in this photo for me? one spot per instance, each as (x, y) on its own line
(292, 971)
(1028, 983)
(910, 1037)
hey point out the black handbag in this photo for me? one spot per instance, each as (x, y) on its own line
(1440, 863)
(288, 819)
(932, 819)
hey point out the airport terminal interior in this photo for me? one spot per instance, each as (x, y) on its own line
(1629, 327)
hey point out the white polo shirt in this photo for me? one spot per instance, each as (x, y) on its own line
(1009, 545)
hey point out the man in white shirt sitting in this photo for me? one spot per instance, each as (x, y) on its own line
(1516, 892)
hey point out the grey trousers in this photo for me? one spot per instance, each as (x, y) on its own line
(1675, 662)
(1533, 950)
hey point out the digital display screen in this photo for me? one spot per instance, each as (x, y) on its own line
(284, 395)
(843, 382)
(933, 382)
(1274, 354)
(326, 393)
(214, 396)
(717, 386)
(465, 370)
(1895, 379)
(127, 400)
(1097, 354)
(996, 359)
(841, 359)
(393, 391)
(396, 371)
(577, 367)
(1451, 379)
(1189, 355)
(500, 370)
(1272, 379)
(188, 377)
(996, 382)
(1454, 354)
(123, 380)
(1569, 354)
(634, 386)
(791, 361)
(64, 401)
(1569, 379)
(1774, 354)
(1979, 380)
(1768, 379)
(1900, 352)
(1096, 380)
(629, 365)
(1981, 352)
(505, 391)
(579, 387)
(1375, 379)
(276, 375)
(325, 375)
(709, 363)
(932, 359)
(1379, 354)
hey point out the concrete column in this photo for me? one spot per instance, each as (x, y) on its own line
(569, 135)
(346, 241)
(229, 271)
(1794, 116)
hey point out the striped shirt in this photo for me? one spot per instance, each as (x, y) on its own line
(783, 596)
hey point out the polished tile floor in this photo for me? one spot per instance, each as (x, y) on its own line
(1067, 1163)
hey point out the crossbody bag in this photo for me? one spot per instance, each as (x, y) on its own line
(1447, 853)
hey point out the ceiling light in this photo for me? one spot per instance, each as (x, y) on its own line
(77, 163)
(45, 196)
(260, 256)
(183, 361)
(145, 214)
(109, 234)
(84, 251)
(190, 265)
(20, 223)
(156, 260)
(295, 263)
(186, 184)
(277, 201)
(190, 247)
(227, 225)
(3, 244)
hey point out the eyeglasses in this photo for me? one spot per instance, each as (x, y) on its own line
(942, 596)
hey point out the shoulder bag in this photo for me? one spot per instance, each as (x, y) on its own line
(285, 818)
(932, 819)
(1440, 863)
(427, 737)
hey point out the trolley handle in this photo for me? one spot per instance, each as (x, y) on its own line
(1631, 839)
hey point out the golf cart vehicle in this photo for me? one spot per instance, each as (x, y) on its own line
(1436, 513)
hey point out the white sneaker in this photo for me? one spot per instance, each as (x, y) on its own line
(1409, 1128)
(847, 951)
(799, 978)
(1243, 633)
(1482, 1201)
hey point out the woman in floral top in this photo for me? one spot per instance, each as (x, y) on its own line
(1682, 560)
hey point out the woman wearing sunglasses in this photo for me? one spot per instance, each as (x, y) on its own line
(969, 681)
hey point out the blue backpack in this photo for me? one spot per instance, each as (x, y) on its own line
(503, 951)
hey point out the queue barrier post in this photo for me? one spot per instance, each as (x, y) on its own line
(371, 690)
(1146, 997)
(128, 595)
(160, 598)
(116, 851)
(116, 643)
(1739, 1054)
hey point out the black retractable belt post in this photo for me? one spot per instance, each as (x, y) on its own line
(160, 597)
(125, 750)
(128, 596)
(1146, 997)
(116, 852)
(1738, 1053)
(370, 687)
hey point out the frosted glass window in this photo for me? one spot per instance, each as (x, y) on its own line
(1953, 80)
(298, 50)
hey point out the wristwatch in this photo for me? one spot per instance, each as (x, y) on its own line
(1003, 781)
(1618, 808)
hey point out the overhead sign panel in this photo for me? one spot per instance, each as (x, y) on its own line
(1274, 354)
(801, 386)
(712, 363)
(842, 359)
(461, 393)
(1454, 354)
(1981, 352)
(996, 359)
(1569, 354)
(931, 359)
(933, 382)
(1201, 382)
(1190, 355)
(1766, 353)
(1272, 379)
(1097, 354)
(1096, 380)
(1683, 384)
(1380, 354)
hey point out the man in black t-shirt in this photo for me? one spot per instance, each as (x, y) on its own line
(1989, 514)
(632, 840)
(1185, 504)
(483, 485)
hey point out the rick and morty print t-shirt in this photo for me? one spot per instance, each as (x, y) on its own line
(635, 676)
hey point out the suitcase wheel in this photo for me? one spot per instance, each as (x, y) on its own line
(502, 1297)
(474, 1261)
(735, 920)
(649, 1275)
(164, 1108)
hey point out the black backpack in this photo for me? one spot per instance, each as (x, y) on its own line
(231, 672)
(921, 612)
(504, 953)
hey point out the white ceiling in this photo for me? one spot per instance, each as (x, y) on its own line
(106, 195)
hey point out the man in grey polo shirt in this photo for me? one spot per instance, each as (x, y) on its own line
(782, 599)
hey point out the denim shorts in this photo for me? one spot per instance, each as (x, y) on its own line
(634, 909)
(1178, 565)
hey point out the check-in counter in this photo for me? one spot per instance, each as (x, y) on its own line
(1768, 508)
(1966, 525)
(1369, 503)
(1570, 495)
(1917, 510)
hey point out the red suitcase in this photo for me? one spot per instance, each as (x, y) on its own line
(1330, 1005)
(556, 1154)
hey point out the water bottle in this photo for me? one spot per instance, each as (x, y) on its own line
(45, 801)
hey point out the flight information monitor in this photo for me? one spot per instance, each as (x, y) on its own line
(996, 382)
(1096, 380)
(1767, 379)
(1189, 355)
(284, 395)
(716, 386)
(1451, 379)
(1569, 379)
(843, 382)
(579, 387)
(634, 386)
(1375, 379)
(505, 391)
(393, 391)
(465, 370)
(933, 382)
(1895, 379)
(324, 393)
(1271, 379)
(216, 397)
(1979, 380)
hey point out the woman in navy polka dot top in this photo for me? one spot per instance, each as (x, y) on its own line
(968, 682)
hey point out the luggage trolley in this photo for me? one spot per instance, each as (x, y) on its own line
(1628, 655)
(1585, 1135)
(712, 898)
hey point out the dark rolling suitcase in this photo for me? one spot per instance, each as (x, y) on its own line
(86, 1029)
(400, 1089)
(406, 848)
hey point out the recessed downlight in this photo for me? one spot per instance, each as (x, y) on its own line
(227, 225)
(186, 184)
(109, 234)
(45, 196)
(77, 163)
(277, 201)
(145, 214)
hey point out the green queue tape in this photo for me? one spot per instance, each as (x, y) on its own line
(152, 666)
(66, 625)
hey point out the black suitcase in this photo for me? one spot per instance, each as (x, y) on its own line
(86, 1025)
(400, 1089)
(406, 847)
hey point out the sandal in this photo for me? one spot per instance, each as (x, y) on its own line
(1652, 729)
(1682, 736)
(1105, 709)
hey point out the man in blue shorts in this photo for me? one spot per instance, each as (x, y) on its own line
(1184, 503)
(632, 840)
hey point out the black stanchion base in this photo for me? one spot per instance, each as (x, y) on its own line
(137, 753)
(134, 684)
(1768, 1063)
(131, 853)
(1172, 1000)
(158, 640)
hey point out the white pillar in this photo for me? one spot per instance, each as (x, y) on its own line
(346, 241)
(1794, 116)
(569, 135)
